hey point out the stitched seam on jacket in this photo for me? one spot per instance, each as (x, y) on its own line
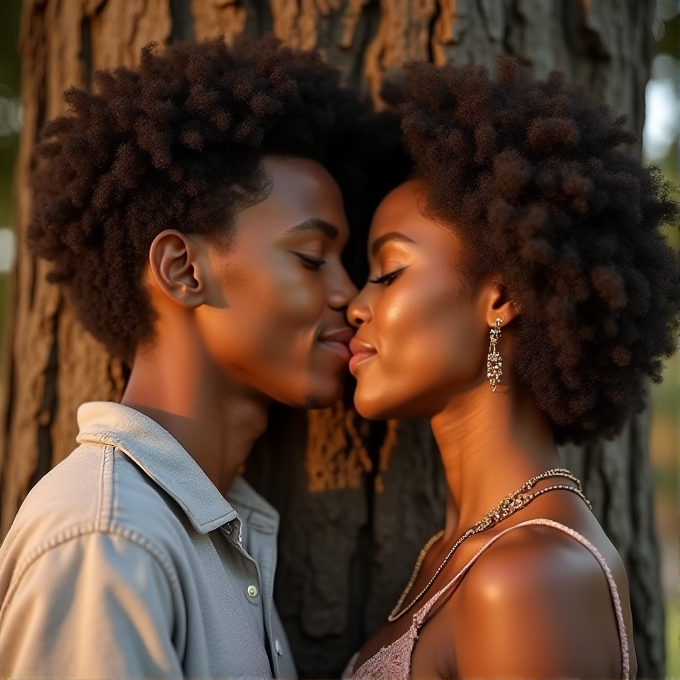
(78, 532)
(105, 498)
(107, 437)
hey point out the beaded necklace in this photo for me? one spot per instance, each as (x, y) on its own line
(508, 506)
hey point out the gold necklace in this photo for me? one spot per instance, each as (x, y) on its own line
(508, 506)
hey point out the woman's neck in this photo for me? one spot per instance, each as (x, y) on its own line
(490, 444)
(217, 422)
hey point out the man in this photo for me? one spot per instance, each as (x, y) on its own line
(190, 211)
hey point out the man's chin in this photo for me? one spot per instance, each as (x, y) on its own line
(318, 399)
(311, 401)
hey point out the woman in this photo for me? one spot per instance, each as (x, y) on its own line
(520, 295)
(191, 210)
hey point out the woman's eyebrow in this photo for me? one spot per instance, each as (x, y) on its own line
(314, 224)
(392, 236)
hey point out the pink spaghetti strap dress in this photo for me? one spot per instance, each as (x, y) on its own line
(394, 661)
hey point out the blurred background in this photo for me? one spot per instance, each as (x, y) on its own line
(661, 145)
(10, 123)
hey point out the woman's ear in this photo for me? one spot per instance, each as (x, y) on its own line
(500, 305)
(175, 262)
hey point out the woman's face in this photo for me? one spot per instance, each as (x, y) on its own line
(276, 320)
(422, 333)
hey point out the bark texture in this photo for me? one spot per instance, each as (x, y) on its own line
(349, 536)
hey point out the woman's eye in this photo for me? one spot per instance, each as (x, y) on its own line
(311, 262)
(389, 278)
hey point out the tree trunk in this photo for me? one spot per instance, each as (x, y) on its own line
(355, 513)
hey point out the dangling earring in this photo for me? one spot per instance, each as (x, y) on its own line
(494, 362)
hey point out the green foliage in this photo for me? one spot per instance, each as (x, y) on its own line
(10, 72)
(665, 435)
(669, 41)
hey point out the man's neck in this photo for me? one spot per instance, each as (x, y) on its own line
(184, 392)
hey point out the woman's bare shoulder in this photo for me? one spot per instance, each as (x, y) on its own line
(537, 604)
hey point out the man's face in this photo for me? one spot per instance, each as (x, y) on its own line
(275, 317)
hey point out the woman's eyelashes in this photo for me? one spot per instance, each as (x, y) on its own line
(311, 262)
(389, 277)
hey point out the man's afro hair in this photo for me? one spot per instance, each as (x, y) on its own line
(177, 143)
(527, 173)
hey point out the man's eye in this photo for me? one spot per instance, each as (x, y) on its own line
(389, 278)
(311, 262)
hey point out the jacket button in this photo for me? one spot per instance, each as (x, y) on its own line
(278, 648)
(252, 591)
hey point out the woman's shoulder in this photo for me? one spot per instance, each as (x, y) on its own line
(541, 599)
(549, 551)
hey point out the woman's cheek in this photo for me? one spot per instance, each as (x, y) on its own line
(399, 333)
(397, 312)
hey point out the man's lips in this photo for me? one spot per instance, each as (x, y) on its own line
(361, 351)
(338, 341)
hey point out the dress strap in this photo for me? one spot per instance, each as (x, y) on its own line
(420, 616)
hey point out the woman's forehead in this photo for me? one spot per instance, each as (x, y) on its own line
(403, 211)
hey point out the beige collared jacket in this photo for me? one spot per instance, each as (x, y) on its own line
(126, 561)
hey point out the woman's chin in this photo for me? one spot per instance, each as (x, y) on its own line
(374, 408)
(386, 406)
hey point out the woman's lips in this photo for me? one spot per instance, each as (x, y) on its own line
(361, 351)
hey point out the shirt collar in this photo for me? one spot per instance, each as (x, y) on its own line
(163, 459)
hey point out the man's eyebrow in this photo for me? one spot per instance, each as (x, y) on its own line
(392, 236)
(314, 224)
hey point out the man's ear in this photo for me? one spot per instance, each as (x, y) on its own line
(175, 261)
(500, 305)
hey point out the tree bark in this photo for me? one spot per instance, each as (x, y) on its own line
(349, 536)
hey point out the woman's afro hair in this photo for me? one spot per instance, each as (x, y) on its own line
(177, 143)
(526, 172)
